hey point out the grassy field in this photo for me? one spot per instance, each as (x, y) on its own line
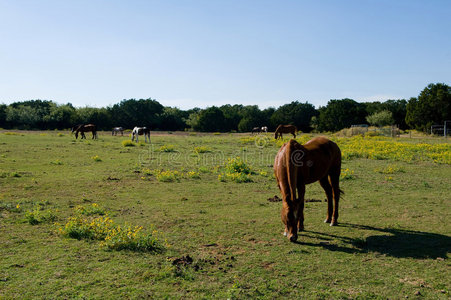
(221, 238)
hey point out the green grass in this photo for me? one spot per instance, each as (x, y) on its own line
(223, 238)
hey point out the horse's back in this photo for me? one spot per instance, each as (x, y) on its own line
(325, 146)
(324, 156)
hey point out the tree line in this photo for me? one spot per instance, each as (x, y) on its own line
(432, 106)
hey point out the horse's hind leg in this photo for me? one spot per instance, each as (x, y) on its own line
(335, 182)
(301, 194)
(328, 189)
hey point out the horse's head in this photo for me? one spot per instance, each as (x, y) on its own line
(289, 215)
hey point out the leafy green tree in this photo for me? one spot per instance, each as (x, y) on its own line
(295, 113)
(267, 114)
(211, 119)
(232, 115)
(339, 114)
(29, 114)
(251, 116)
(142, 112)
(193, 119)
(23, 116)
(173, 118)
(433, 106)
(61, 116)
(382, 118)
(3, 123)
(398, 108)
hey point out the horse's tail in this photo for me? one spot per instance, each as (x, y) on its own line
(291, 170)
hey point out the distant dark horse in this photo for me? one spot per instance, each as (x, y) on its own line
(141, 131)
(75, 127)
(285, 129)
(256, 130)
(85, 128)
(116, 130)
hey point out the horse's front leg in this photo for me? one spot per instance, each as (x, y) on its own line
(300, 214)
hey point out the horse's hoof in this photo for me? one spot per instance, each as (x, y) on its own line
(327, 221)
(285, 233)
(334, 223)
(301, 228)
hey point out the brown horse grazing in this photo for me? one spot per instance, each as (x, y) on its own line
(75, 127)
(86, 128)
(295, 166)
(285, 129)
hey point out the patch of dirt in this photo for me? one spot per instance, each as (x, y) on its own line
(274, 199)
(414, 281)
(268, 265)
(314, 200)
(185, 262)
(277, 199)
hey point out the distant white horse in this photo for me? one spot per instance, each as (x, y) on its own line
(116, 130)
(141, 131)
(264, 129)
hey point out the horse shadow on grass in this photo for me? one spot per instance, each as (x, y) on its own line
(398, 243)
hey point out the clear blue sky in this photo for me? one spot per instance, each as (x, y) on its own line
(203, 53)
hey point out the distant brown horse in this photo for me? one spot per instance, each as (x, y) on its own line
(85, 128)
(295, 166)
(285, 129)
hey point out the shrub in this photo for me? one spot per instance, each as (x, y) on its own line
(168, 176)
(237, 165)
(79, 227)
(192, 174)
(89, 210)
(167, 148)
(15, 174)
(10, 207)
(202, 149)
(390, 169)
(347, 174)
(96, 158)
(112, 236)
(132, 238)
(128, 143)
(147, 171)
(204, 169)
(239, 177)
(236, 170)
(39, 215)
(263, 173)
